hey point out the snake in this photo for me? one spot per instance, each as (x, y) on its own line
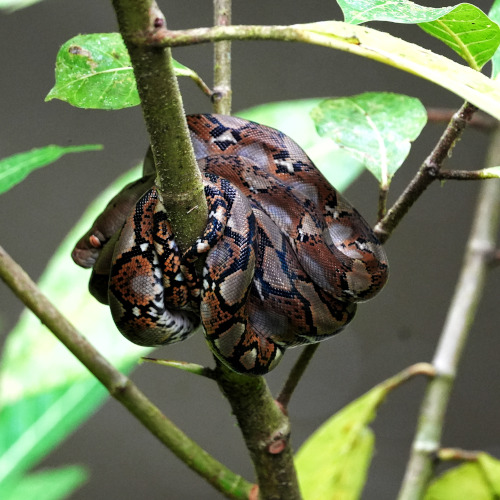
(286, 257)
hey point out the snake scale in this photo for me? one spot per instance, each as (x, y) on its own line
(287, 258)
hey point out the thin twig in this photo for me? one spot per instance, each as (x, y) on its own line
(295, 375)
(457, 454)
(222, 92)
(480, 247)
(427, 173)
(119, 386)
(479, 121)
(465, 175)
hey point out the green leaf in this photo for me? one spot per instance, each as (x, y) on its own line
(94, 71)
(16, 168)
(491, 469)
(13, 5)
(464, 27)
(491, 172)
(494, 15)
(469, 32)
(51, 484)
(376, 128)
(465, 82)
(333, 463)
(476, 480)
(293, 118)
(45, 392)
(396, 11)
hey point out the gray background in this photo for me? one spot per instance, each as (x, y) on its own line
(398, 328)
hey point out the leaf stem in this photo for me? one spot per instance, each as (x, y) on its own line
(480, 248)
(119, 386)
(428, 172)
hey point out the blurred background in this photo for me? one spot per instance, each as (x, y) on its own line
(398, 328)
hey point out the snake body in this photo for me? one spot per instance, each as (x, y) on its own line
(286, 256)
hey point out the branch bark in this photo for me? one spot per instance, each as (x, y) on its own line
(120, 386)
(178, 178)
(266, 430)
(480, 248)
(427, 173)
(264, 425)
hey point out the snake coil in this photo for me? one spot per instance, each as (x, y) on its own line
(287, 257)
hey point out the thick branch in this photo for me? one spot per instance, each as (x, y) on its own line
(427, 173)
(119, 386)
(480, 247)
(178, 177)
(266, 430)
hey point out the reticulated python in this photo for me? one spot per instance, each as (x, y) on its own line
(287, 258)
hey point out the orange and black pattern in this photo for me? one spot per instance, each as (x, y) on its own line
(287, 257)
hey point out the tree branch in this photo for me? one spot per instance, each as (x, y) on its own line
(480, 247)
(296, 374)
(479, 121)
(119, 386)
(265, 427)
(222, 92)
(178, 178)
(427, 173)
(266, 430)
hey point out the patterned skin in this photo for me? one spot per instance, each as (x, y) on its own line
(286, 257)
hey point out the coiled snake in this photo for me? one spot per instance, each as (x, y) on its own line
(287, 258)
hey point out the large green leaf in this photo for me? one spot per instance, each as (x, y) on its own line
(48, 484)
(467, 83)
(94, 71)
(15, 168)
(469, 32)
(376, 128)
(293, 118)
(333, 463)
(44, 391)
(396, 11)
(464, 27)
(478, 480)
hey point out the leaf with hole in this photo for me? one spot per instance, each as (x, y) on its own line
(94, 71)
(16, 168)
(376, 128)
